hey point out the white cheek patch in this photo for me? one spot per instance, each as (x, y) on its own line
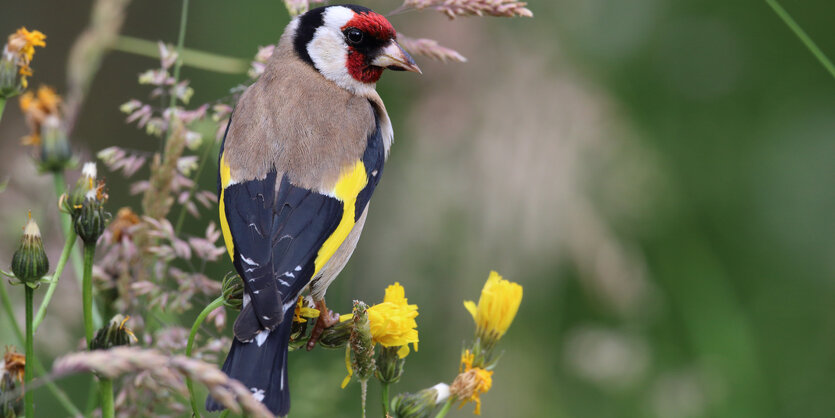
(329, 52)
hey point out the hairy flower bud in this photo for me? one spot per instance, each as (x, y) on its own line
(362, 345)
(91, 220)
(113, 334)
(337, 335)
(389, 365)
(29, 262)
(421, 404)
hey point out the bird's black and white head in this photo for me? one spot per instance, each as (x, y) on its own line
(349, 45)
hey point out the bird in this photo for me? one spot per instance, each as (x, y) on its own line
(303, 152)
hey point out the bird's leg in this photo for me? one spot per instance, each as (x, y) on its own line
(327, 318)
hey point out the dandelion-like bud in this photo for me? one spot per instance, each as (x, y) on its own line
(337, 335)
(497, 306)
(15, 59)
(421, 404)
(361, 342)
(113, 334)
(29, 262)
(11, 377)
(389, 365)
(86, 205)
(47, 133)
(232, 288)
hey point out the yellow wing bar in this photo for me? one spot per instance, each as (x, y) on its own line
(347, 188)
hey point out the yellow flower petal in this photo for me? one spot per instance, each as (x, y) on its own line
(347, 366)
(393, 321)
(497, 307)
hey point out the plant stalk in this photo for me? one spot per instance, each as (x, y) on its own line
(106, 391)
(447, 405)
(2, 106)
(801, 34)
(75, 255)
(65, 255)
(87, 292)
(190, 345)
(62, 397)
(385, 396)
(28, 400)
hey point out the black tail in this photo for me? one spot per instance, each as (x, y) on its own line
(261, 368)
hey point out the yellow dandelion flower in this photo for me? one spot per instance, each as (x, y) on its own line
(393, 321)
(497, 306)
(22, 45)
(471, 382)
(303, 312)
(37, 108)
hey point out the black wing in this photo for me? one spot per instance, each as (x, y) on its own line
(275, 239)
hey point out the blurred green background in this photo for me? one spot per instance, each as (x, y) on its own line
(657, 175)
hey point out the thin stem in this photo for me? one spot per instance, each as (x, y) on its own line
(181, 39)
(65, 255)
(190, 345)
(87, 291)
(190, 57)
(28, 400)
(106, 390)
(442, 413)
(62, 397)
(66, 224)
(385, 396)
(2, 106)
(801, 34)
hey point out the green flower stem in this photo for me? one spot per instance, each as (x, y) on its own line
(447, 405)
(385, 396)
(181, 39)
(87, 292)
(75, 255)
(2, 106)
(65, 255)
(801, 34)
(62, 397)
(106, 390)
(190, 57)
(190, 345)
(28, 400)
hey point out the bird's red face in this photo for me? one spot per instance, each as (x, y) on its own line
(350, 45)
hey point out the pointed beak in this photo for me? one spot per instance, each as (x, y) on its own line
(394, 57)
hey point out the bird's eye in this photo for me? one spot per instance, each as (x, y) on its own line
(353, 35)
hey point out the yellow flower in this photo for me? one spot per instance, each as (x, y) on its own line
(393, 321)
(22, 45)
(303, 312)
(497, 306)
(471, 382)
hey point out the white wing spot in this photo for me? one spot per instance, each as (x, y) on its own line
(249, 261)
(261, 337)
(246, 299)
(258, 394)
(298, 268)
(373, 173)
(289, 274)
(265, 317)
(283, 282)
(255, 292)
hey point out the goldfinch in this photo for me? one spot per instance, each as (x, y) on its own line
(302, 155)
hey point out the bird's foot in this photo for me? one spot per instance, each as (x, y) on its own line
(327, 318)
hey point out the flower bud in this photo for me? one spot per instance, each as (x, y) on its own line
(361, 342)
(91, 220)
(337, 335)
(55, 152)
(389, 365)
(29, 262)
(113, 334)
(232, 288)
(421, 404)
